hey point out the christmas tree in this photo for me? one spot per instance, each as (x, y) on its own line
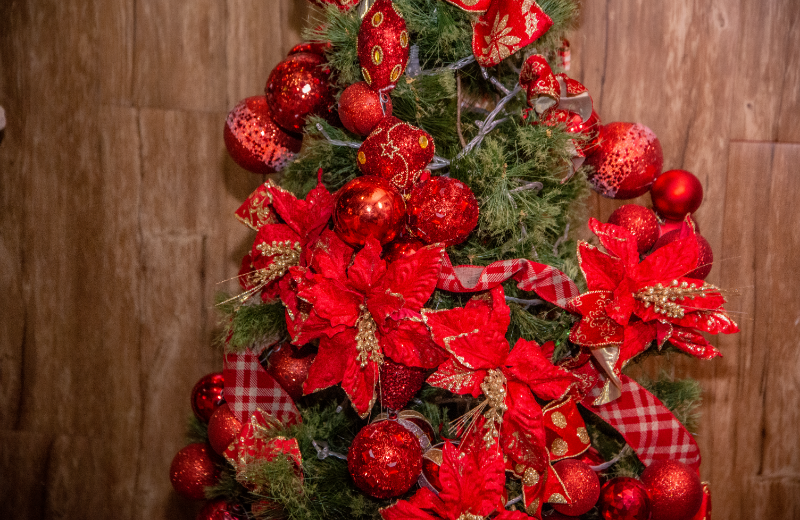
(419, 334)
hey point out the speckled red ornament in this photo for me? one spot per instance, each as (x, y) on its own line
(399, 383)
(676, 193)
(641, 222)
(192, 470)
(384, 460)
(401, 248)
(674, 488)
(223, 427)
(253, 139)
(627, 161)
(624, 498)
(298, 87)
(705, 257)
(289, 365)
(360, 108)
(582, 485)
(207, 395)
(367, 206)
(343, 5)
(396, 151)
(383, 46)
(442, 209)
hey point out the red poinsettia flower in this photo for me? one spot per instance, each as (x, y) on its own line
(631, 303)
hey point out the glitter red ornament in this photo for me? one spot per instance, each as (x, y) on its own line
(626, 162)
(298, 87)
(624, 498)
(367, 206)
(223, 427)
(676, 193)
(581, 484)
(399, 383)
(674, 488)
(289, 365)
(192, 470)
(253, 139)
(401, 248)
(385, 459)
(442, 209)
(705, 256)
(383, 46)
(207, 395)
(360, 108)
(219, 510)
(640, 221)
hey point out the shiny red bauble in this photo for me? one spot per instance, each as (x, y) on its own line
(399, 383)
(641, 222)
(401, 248)
(360, 108)
(253, 139)
(297, 88)
(367, 206)
(193, 470)
(705, 256)
(589, 129)
(383, 46)
(626, 162)
(676, 193)
(442, 210)
(396, 151)
(221, 510)
(581, 484)
(671, 225)
(289, 365)
(624, 498)
(223, 428)
(431, 464)
(385, 459)
(207, 395)
(675, 490)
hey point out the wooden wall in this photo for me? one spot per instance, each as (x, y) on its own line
(115, 226)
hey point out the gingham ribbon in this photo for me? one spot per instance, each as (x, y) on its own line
(548, 282)
(249, 387)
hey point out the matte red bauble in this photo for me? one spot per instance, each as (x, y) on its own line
(442, 209)
(367, 206)
(401, 248)
(385, 459)
(298, 87)
(360, 108)
(383, 46)
(399, 383)
(582, 485)
(289, 365)
(676, 193)
(626, 162)
(253, 139)
(705, 257)
(192, 470)
(641, 222)
(396, 151)
(674, 488)
(207, 395)
(223, 427)
(624, 498)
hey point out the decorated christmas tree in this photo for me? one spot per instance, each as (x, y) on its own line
(419, 334)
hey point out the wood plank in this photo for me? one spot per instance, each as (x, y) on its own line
(23, 469)
(113, 28)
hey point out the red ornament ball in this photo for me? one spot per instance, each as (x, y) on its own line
(316, 47)
(367, 206)
(253, 139)
(705, 257)
(674, 488)
(676, 193)
(399, 383)
(641, 222)
(361, 109)
(431, 464)
(442, 209)
(383, 46)
(207, 395)
(223, 428)
(671, 225)
(385, 459)
(626, 162)
(289, 365)
(396, 151)
(193, 470)
(401, 248)
(343, 5)
(220, 510)
(589, 129)
(297, 88)
(624, 498)
(582, 485)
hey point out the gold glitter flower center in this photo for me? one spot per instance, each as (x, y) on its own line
(366, 341)
(665, 299)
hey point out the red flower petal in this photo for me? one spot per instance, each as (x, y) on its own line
(330, 256)
(332, 301)
(595, 328)
(638, 336)
(618, 242)
(527, 364)
(472, 477)
(693, 343)
(458, 379)
(602, 271)
(368, 267)
(522, 434)
(331, 361)
(359, 383)
(414, 277)
(409, 342)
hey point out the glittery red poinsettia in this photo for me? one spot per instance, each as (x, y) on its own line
(361, 311)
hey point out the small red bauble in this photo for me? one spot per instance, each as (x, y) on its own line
(399, 383)
(360, 108)
(582, 485)
(220, 510)
(705, 257)
(367, 206)
(626, 162)
(401, 248)
(589, 129)
(671, 225)
(641, 222)
(442, 209)
(207, 395)
(674, 488)
(431, 463)
(223, 427)
(289, 365)
(193, 470)
(383, 46)
(253, 139)
(396, 151)
(676, 193)
(298, 87)
(624, 498)
(343, 5)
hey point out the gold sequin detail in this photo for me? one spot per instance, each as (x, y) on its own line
(366, 341)
(362, 158)
(396, 71)
(583, 435)
(559, 447)
(367, 77)
(557, 498)
(404, 39)
(534, 507)
(531, 477)
(663, 299)
(469, 516)
(423, 141)
(377, 19)
(377, 55)
(558, 420)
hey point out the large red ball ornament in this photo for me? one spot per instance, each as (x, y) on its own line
(582, 485)
(193, 470)
(385, 459)
(641, 222)
(705, 257)
(676, 193)
(383, 46)
(223, 428)
(367, 206)
(396, 151)
(442, 209)
(298, 87)
(624, 498)
(253, 139)
(626, 162)
(399, 383)
(207, 395)
(401, 248)
(289, 365)
(361, 109)
(674, 488)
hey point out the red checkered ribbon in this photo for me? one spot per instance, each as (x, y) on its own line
(547, 281)
(249, 387)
